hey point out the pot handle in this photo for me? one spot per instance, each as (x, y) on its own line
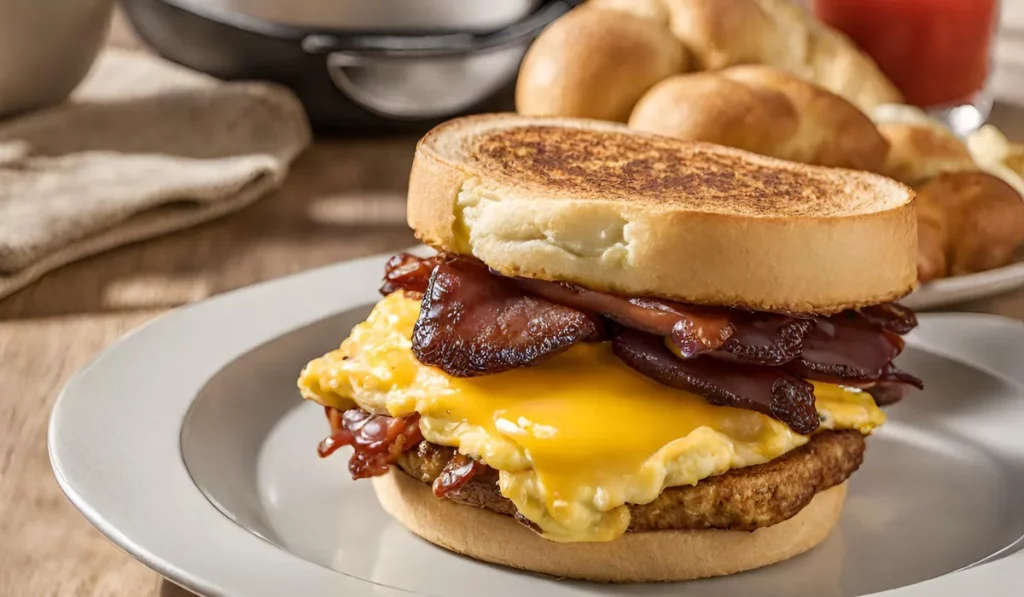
(435, 45)
(433, 88)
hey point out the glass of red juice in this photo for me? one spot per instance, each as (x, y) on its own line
(938, 52)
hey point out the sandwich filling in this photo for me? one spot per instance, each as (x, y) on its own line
(587, 404)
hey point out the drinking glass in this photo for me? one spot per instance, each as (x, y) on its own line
(937, 52)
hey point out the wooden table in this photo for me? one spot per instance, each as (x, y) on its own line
(343, 199)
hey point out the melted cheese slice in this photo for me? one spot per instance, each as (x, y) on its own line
(575, 438)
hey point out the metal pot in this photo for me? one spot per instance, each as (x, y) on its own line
(370, 65)
(382, 15)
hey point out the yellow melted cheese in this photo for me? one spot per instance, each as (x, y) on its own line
(575, 438)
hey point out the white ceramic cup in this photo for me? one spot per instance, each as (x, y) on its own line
(46, 49)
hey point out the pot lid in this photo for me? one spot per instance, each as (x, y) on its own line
(375, 15)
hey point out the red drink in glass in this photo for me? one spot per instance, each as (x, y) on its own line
(938, 52)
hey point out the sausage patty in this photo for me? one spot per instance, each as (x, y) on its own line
(740, 499)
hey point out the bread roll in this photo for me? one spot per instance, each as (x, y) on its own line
(650, 9)
(779, 33)
(837, 64)
(995, 154)
(596, 63)
(932, 240)
(983, 219)
(722, 33)
(602, 56)
(920, 151)
(764, 110)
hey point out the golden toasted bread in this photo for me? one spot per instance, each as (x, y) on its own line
(615, 209)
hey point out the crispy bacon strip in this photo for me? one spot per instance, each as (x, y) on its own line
(377, 440)
(474, 323)
(888, 392)
(692, 329)
(892, 317)
(768, 390)
(454, 476)
(847, 348)
(890, 374)
(409, 273)
(895, 375)
(732, 335)
(765, 339)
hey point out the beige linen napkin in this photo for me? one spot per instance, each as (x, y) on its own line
(144, 147)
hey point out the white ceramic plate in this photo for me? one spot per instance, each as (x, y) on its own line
(186, 443)
(957, 289)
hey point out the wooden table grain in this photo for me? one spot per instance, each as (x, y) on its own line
(343, 199)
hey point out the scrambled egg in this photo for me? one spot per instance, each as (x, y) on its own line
(575, 438)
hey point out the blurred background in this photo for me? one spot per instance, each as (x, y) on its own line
(154, 153)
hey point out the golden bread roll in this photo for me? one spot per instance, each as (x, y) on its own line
(920, 151)
(837, 64)
(764, 110)
(932, 240)
(597, 59)
(651, 9)
(779, 33)
(595, 63)
(723, 33)
(984, 219)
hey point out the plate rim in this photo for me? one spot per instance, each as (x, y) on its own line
(312, 578)
(968, 287)
(70, 455)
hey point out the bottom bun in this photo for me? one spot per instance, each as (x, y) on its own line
(654, 556)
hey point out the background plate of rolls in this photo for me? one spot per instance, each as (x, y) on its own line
(765, 76)
(956, 289)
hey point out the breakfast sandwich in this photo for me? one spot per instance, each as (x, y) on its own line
(631, 358)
